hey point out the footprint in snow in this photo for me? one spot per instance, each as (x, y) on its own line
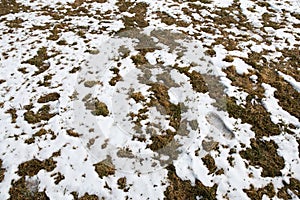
(216, 121)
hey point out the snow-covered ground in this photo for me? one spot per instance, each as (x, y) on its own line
(150, 99)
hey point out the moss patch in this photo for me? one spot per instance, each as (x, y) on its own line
(182, 190)
(264, 154)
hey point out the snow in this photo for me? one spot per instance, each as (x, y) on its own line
(145, 172)
(290, 80)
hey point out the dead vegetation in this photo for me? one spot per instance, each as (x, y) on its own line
(58, 177)
(32, 167)
(138, 9)
(261, 153)
(49, 97)
(97, 107)
(196, 79)
(86, 196)
(91, 83)
(169, 20)
(183, 190)
(209, 162)
(105, 167)
(137, 96)
(23, 189)
(39, 60)
(122, 182)
(72, 133)
(2, 171)
(39, 134)
(261, 123)
(258, 193)
(117, 77)
(293, 186)
(10, 7)
(13, 114)
(42, 114)
(161, 98)
(264, 154)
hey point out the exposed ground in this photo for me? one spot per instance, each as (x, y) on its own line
(149, 99)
